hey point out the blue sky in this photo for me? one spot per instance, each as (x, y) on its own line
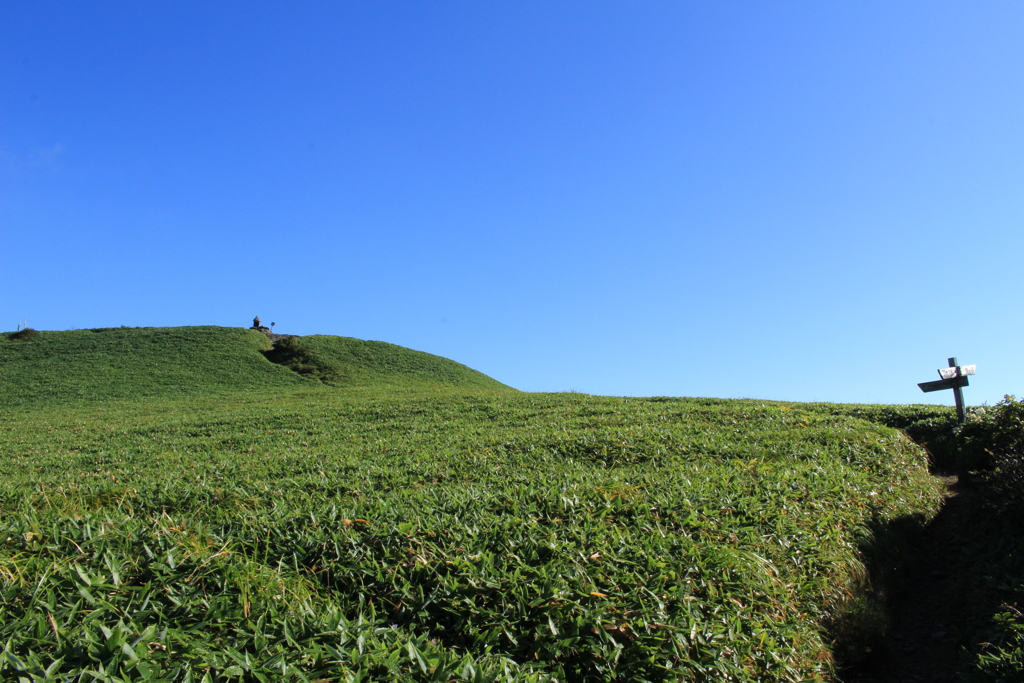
(796, 200)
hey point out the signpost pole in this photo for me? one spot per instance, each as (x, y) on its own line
(958, 393)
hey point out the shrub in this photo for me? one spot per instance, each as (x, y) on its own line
(993, 435)
(26, 333)
(992, 444)
(290, 352)
(1001, 658)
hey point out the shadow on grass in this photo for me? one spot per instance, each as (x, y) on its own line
(942, 595)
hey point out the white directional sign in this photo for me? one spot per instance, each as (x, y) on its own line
(950, 373)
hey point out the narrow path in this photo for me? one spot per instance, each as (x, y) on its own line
(923, 644)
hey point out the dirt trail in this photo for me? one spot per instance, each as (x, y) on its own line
(923, 644)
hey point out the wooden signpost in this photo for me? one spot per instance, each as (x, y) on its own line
(954, 377)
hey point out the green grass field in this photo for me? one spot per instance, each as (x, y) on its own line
(177, 507)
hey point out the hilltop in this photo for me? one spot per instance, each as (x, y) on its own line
(131, 363)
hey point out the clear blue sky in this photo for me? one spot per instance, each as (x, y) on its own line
(789, 200)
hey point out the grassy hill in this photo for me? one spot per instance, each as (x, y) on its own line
(133, 363)
(248, 523)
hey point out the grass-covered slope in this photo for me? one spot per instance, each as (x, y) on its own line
(408, 521)
(496, 536)
(344, 361)
(130, 363)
